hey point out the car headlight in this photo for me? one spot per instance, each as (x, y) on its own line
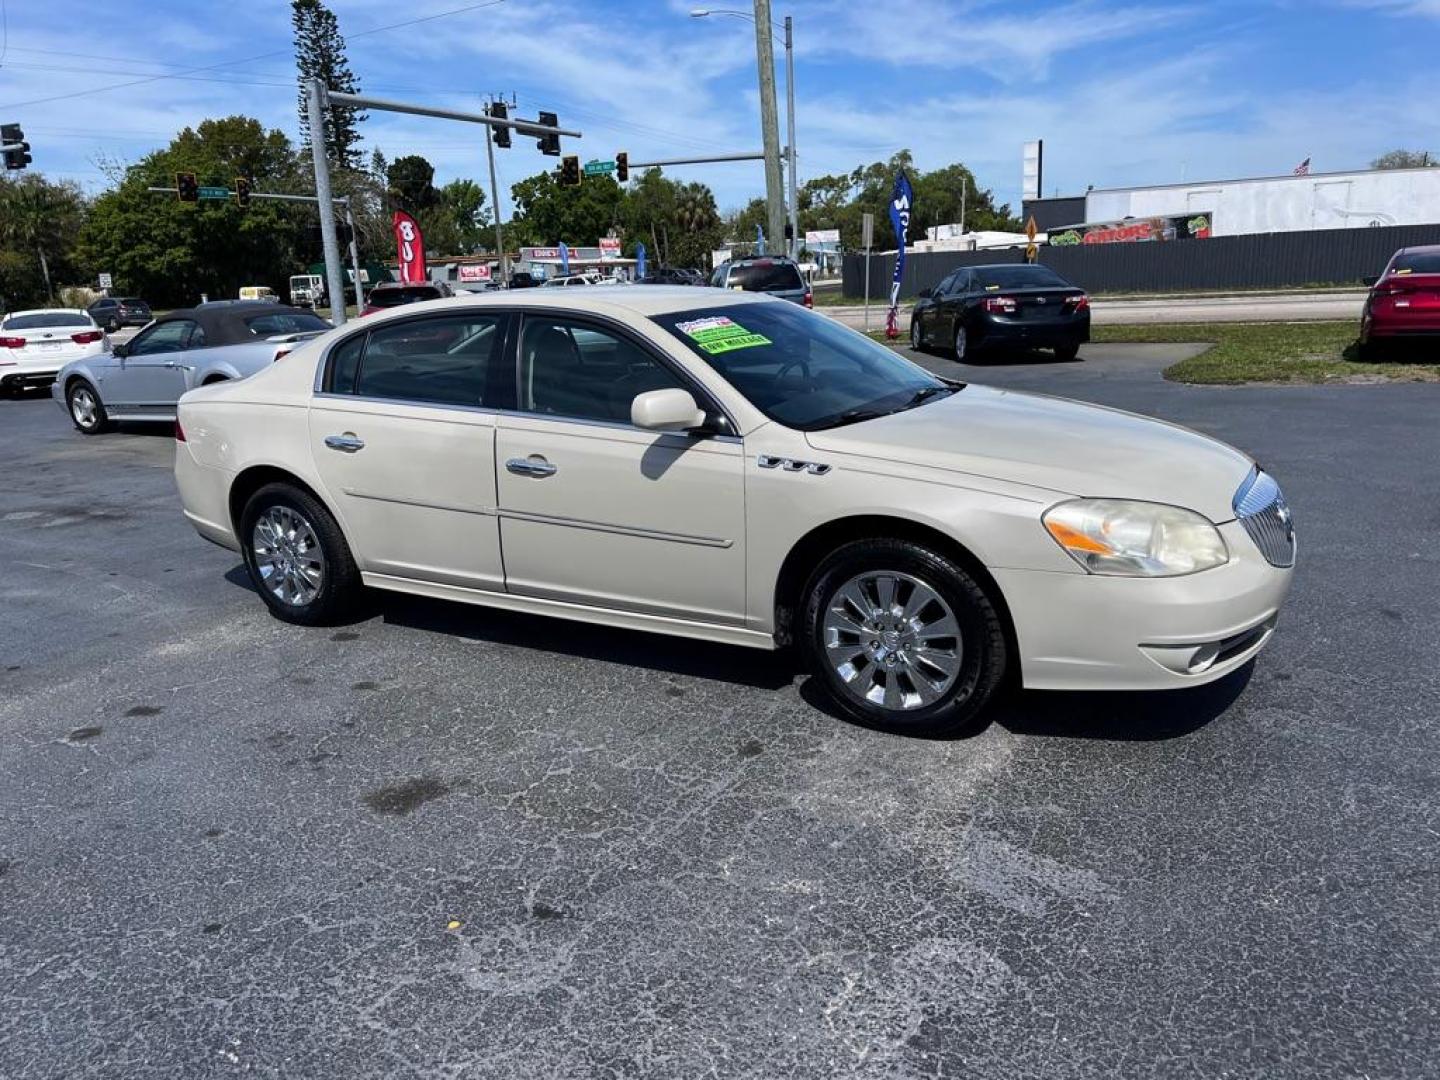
(1128, 538)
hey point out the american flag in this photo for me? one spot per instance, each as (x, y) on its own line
(1303, 169)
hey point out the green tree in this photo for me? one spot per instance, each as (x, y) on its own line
(411, 184)
(40, 224)
(171, 252)
(320, 54)
(546, 213)
(462, 208)
(1404, 159)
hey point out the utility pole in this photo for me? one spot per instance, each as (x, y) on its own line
(769, 125)
(334, 276)
(354, 256)
(495, 203)
(790, 139)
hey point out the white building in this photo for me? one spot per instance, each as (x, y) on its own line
(1283, 203)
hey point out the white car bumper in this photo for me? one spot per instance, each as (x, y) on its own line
(1092, 632)
(205, 493)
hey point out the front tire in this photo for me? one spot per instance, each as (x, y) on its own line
(962, 343)
(297, 557)
(917, 336)
(902, 638)
(1067, 354)
(87, 411)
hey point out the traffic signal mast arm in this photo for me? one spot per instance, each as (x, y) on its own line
(524, 127)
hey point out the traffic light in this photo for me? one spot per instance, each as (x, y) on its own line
(242, 191)
(570, 171)
(11, 135)
(549, 144)
(500, 111)
(187, 188)
(622, 166)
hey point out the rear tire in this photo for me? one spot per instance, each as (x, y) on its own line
(922, 655)
(1066, 354)
(298, 558)
(962, 343)
(87, 411)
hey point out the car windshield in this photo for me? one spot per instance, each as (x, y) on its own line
(285, 322)
(765, 276)
(1018, 277)
(407, 295)
(47, 318)
(801, 369)
(1419, 262)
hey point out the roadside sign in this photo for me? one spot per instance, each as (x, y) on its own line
(599, 168)
(1030, 228)
(1030, 252)
(867, 231)
(473, 272)
(609, 247)
(214, 192)
(106, 281)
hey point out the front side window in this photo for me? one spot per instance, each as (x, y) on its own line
(801, 369)
(585, 373)
(447, 361)
(163, 338)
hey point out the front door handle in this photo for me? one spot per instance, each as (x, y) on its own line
(537, 467)
(346, 443)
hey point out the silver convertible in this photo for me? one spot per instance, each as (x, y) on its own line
(144, 378)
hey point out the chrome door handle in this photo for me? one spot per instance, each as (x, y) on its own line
(346, 443)
(531, 467)
(182, 367)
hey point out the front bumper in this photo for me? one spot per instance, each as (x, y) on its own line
(1092, 632)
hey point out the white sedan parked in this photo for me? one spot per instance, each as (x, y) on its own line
(732, 467)
(34, 345)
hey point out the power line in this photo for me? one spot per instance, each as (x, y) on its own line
(246, 60)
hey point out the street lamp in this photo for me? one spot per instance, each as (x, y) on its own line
(700, 13)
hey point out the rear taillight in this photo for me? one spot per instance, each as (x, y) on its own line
(87, 337)
(809, 299)
(1001, 305)
(1078, 303)
(179, 431)
(12, 342)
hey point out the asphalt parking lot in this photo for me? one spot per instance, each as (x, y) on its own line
(444, 842)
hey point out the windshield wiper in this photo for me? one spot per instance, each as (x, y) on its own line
(926, 393)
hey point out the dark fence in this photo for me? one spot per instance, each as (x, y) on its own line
(1262, 260)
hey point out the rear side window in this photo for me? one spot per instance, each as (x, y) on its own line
(345, 365)
(446, 361)
(384, 298)
(1419, 262)
(765, 277)
(284, 322)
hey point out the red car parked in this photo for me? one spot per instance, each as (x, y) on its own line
(1404, 301)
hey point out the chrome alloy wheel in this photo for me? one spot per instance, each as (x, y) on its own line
(83, 407)
(917, 336)
(962, 341)
(288, 555)
(892, 640)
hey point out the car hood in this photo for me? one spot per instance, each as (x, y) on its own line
(1045, 442)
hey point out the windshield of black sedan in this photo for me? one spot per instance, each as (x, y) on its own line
(801, 369)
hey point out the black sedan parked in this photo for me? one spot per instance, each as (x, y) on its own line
(1017, 306)
(113, 312)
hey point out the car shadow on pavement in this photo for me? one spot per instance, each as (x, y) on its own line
(657, 652)
(1128, 716)
(1120, 716)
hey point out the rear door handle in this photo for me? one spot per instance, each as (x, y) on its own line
(537, 467)
(346, 443)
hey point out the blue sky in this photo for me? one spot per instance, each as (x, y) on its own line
(1122, 92)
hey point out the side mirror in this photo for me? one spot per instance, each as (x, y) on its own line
(121, 350)
(924, 293)
(1369, 282)
(666, 410)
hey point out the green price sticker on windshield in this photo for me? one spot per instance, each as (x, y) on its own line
(721, 335)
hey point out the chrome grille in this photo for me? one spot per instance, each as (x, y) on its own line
(1261, 508)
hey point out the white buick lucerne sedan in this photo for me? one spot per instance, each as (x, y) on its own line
(732, 467)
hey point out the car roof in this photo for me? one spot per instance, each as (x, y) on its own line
(1419, 249)
(651, 300)
(224, 323)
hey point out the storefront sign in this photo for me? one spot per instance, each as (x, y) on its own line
(822, 236)
(609, 247)
(1133, 230)
(472, 272)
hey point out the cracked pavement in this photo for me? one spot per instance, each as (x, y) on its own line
(446, 842)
